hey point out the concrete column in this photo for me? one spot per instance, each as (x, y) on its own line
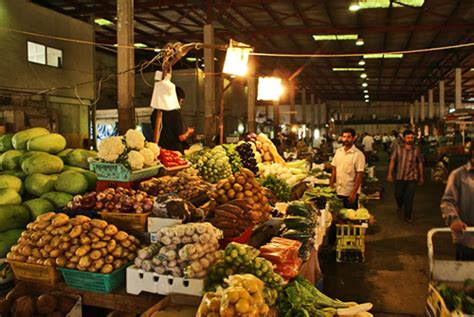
(125, 62)
(430, 104)
(442, 104)
(209, 82)
(251, 98)
(276, 116)
(323, 114)
(292, 104)
(313, 111)
(422, 112)
(318, 113)
(412, 114)
(303, 106)
(458, 89)
(417, 111)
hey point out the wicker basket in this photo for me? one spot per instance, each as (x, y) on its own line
(35, 273)
(135, 224)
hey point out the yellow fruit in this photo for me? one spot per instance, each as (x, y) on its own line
(242, 306)
(215, 304)
(227, 311)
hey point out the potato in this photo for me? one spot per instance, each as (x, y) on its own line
(117, 264)
(44, 253)
(30, 226)
(93, 237)
(35, 235)
(48, 262)
(100, 224)
(45, 217)
(36, 253)
(68, 254)
(40, 261)
(48, 248)
(126, 243)
(26, 250)
(111, 230)
(92, 269)
(61, 261)
(99, 245)
(239, 196)
(109, 259)
(60, 220)
(46, 304)
(75, 259)
(71, 265)
(131, 256)
(133, 248)
(85, 239)
(111, 245)
(81, 268)
(117, 253)
(26, 234)
(83, 250)
(98, 264)
(106, 269)
(44, 240)
(73, 248)
(75, 241)
(31, 259)
(23, 241)
(104, 251)
(55, 241)
(98, 232)
(65, 238)
(49, 228)
(64, 246)
(40, 226)
(248, 193)
(106, 238)
(79, 220)
(85, 261)
(55, 253)
(121, 235)
(95, 254)
(76, 231)
(62, 230)
(125, 253)
(134, 240)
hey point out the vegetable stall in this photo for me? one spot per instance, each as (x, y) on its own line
(135, 228)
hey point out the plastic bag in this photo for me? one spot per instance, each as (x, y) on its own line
(164, 94)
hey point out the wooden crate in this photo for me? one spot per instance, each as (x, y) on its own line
(185, 302)
(135, 224)
(35, 273)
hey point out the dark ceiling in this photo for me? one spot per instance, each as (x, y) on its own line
(287, 26)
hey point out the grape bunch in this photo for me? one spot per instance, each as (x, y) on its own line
(213, 164)
(247, 156)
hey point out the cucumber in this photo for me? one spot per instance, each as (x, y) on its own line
(296, 235)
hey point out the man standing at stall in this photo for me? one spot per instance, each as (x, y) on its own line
(457, 206)
(409, 172)
(348, 170)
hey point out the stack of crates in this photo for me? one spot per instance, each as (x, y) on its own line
(350, 237)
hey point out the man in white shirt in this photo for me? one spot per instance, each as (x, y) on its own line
(348, 170)
(368, 144)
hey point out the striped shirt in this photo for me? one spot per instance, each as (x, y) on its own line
(407, 162)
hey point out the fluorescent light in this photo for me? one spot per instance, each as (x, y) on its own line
(191, 59)
(157, 50)
(366, 96)
(140, 45)
(361, 62)
(360, 42)
(101, 21)
(269, 88)
(364, 85)
(374, 4)
(452, 110)
(386, 55)
(354, 7)
(366, 91)
(363, 75)
(335, 37)
(367, 100)
(353, 69)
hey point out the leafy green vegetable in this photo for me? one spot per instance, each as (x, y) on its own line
(278, 187)
(234, 157)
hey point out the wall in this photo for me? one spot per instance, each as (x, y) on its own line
(18, 73)
(363, 110)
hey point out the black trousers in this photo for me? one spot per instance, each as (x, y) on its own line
(464, 253)
(405, 194)
(345, 200)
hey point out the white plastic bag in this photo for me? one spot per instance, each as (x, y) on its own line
(164, 94)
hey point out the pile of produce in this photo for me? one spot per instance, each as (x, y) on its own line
(171, 159)
(439, 173)
(13, 220)
(324, 197)
(268, 150)
(234, 158)
(186, 185)
(300, 224)
(113, 200)
(351, 214)
(461, 301)
(291, 175)
(372, 186)
(243, 185)
(187, 250)
(173, 207)
(247, 153)
(212, 164)
(47, 304)
(233, 217)
(278, 187)
(77, 243)
(242, 297)
(301, 298)
(283, 253)
(130, 150)
(239, 259)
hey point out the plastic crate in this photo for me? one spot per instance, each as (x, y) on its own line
(131, 223)
(435, 305)
(350, 237)
(94, 282)
(35, 273)
(120, 173)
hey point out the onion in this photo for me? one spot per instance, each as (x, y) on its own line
(99, 205)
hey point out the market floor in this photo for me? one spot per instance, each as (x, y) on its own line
(394, 276)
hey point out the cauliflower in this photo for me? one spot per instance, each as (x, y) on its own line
(135, 139)
(135, 160)
(148, 156)
(111, 148)
(154, 148)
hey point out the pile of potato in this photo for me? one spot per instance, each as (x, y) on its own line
(243, 185)
(79, 243)
(48, 304)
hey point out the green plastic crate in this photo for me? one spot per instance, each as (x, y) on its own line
(120, 173)
(94, 282)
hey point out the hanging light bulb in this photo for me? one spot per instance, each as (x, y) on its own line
(360, 42)
(361, 62)
(363, 75)
(354, 7)
(364, 85)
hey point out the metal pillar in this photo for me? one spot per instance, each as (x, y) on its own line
(125, 65)
(458, 89)
(442, 102)
(209, 82)
(251, 98)
(430, 104)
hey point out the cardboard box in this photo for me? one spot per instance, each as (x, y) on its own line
(177, 306)
(155, 224)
